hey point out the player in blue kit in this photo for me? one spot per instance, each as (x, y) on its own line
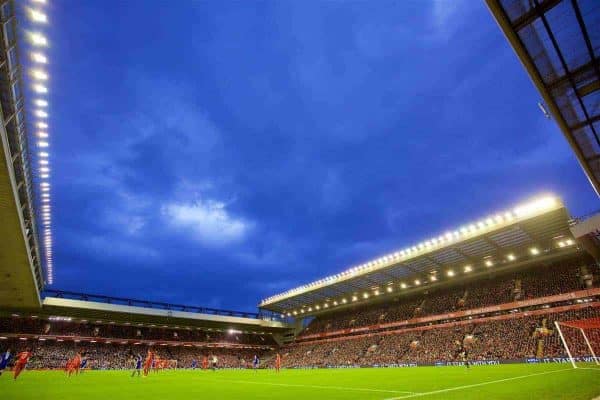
(194, 363)
(6, 356)
(137, 366)
(255, 362)
(84, 361)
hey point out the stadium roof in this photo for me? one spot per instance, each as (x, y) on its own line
(112, 310)
(21, 276)
(531, 232)
(558, 42)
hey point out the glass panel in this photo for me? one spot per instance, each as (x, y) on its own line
(538, 45)
(567, 32)
(590, 11)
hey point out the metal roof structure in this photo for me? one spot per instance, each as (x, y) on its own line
(529, 233)
(21, 275)
(558, 42)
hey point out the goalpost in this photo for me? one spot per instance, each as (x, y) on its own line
(581, 339)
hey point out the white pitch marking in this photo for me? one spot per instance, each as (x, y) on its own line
(320, 387)
(477, 384)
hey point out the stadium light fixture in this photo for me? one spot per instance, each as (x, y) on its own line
(326, 305)
(39, 74)
(354, 298)
(43, 154)
(38, 16)
(417, 282)
(376, 292)
(40, 114)
(468, 268)
(344, 301)
(365, 295)
(37, 39)
(43, 162)
(534, 251)
(42, 125)
(450, 273)
(42, 144)
(40, 88)
(433, 278)
(511, 257)
(489, 263)
(317, 307)
(403, 285)
(40, 103)
(42, 134)
(390, 289)
(335, 303)
(39, 58)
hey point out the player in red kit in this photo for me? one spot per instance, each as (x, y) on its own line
(74, 364)
(21, 362)
(277, 362)
(205, 362)
(148, 362)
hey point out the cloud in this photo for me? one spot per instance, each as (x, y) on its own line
(209, 221)
(446, 17)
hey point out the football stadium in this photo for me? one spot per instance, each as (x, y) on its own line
(503, 305)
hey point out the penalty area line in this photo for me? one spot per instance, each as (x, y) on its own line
(346, 388)
(452, 389)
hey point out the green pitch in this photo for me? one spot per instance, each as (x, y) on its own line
(514, 382)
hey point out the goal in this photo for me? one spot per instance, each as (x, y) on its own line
(581, 340)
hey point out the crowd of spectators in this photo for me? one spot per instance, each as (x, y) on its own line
(538, 282)
(39, 326)
(53, 354)
(516, 338)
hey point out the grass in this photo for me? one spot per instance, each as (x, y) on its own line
(514, 382)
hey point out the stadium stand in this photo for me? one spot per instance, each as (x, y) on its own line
(534, 283)
(21, 326)
(514, 338)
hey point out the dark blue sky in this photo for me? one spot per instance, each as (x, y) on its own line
(214, 153)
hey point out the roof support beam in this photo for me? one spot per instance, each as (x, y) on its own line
(586, 122)
(582, 70)
(531, 15)
(469, 259)
(589, 88)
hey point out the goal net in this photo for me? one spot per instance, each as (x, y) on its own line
(580, 340)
